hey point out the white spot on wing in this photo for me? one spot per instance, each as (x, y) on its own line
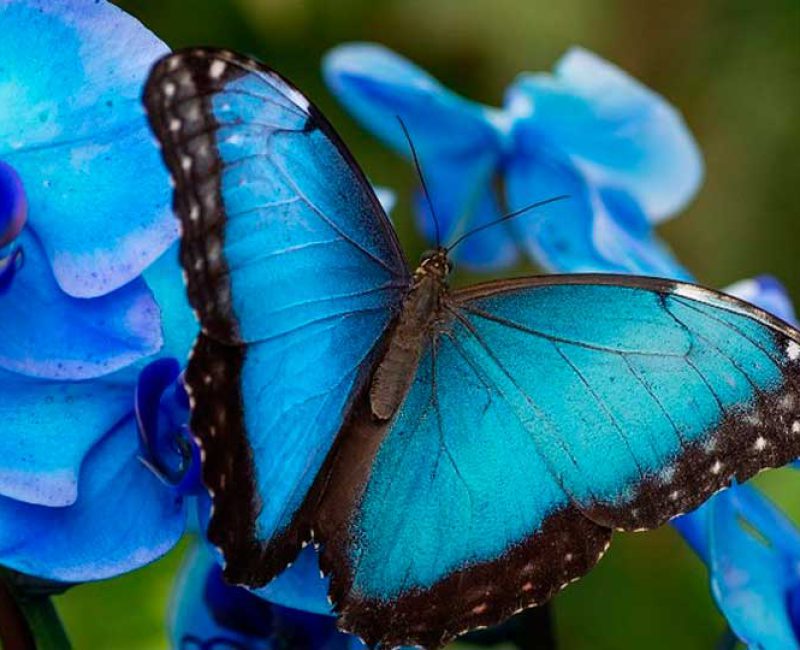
(667, 474)
(692, 292)
(793, 351)
(753, 419)
(217, 69)
(193, 113)
(296, 97)
(760, 443)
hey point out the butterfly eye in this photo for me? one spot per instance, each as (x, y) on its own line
(427, 255)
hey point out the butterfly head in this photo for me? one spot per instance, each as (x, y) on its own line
(434, 264)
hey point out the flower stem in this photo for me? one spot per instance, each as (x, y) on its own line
(15, 634)
(28, 622)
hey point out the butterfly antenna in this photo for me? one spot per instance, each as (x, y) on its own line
(421, 179)
(508, 217)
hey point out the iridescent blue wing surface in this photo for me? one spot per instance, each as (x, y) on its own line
(295, 273)
(544, 413)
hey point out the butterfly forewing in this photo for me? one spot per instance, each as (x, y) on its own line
(295, 275)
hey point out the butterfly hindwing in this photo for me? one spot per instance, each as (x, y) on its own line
(295, 274)
(447, 518)
(545, 413)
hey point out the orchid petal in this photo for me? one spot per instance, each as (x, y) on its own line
(459, 143)
(205, 608)
(768, 293)
(124, 518)
(49, 427)
(591, 231)
(74, 129)
(13, 205)
(46, 333)
(180, 325)
(622, 134)
(301, 586)
(750, 576)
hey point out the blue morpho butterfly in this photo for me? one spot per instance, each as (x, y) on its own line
(458, 455)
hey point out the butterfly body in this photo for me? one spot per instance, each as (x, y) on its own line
(423, 309)
(457, 455)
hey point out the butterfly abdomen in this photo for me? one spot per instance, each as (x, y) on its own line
(395, 373)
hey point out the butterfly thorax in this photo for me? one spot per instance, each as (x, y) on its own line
(422, 310)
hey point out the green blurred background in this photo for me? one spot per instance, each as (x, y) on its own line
(731, 66)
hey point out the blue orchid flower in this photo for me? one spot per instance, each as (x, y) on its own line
(84, 198)
(768, 293)
(620, 152)
(95, 458)
(94, 472)
(209, 614)
(753, 555)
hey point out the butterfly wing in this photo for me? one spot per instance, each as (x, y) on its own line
(459, 144)
(295, 273)
(689, 387)
(545, 413)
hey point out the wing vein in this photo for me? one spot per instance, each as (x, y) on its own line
(529, 400)
(736, 330)
(549, 337)
(328, 221)
(603, 406)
